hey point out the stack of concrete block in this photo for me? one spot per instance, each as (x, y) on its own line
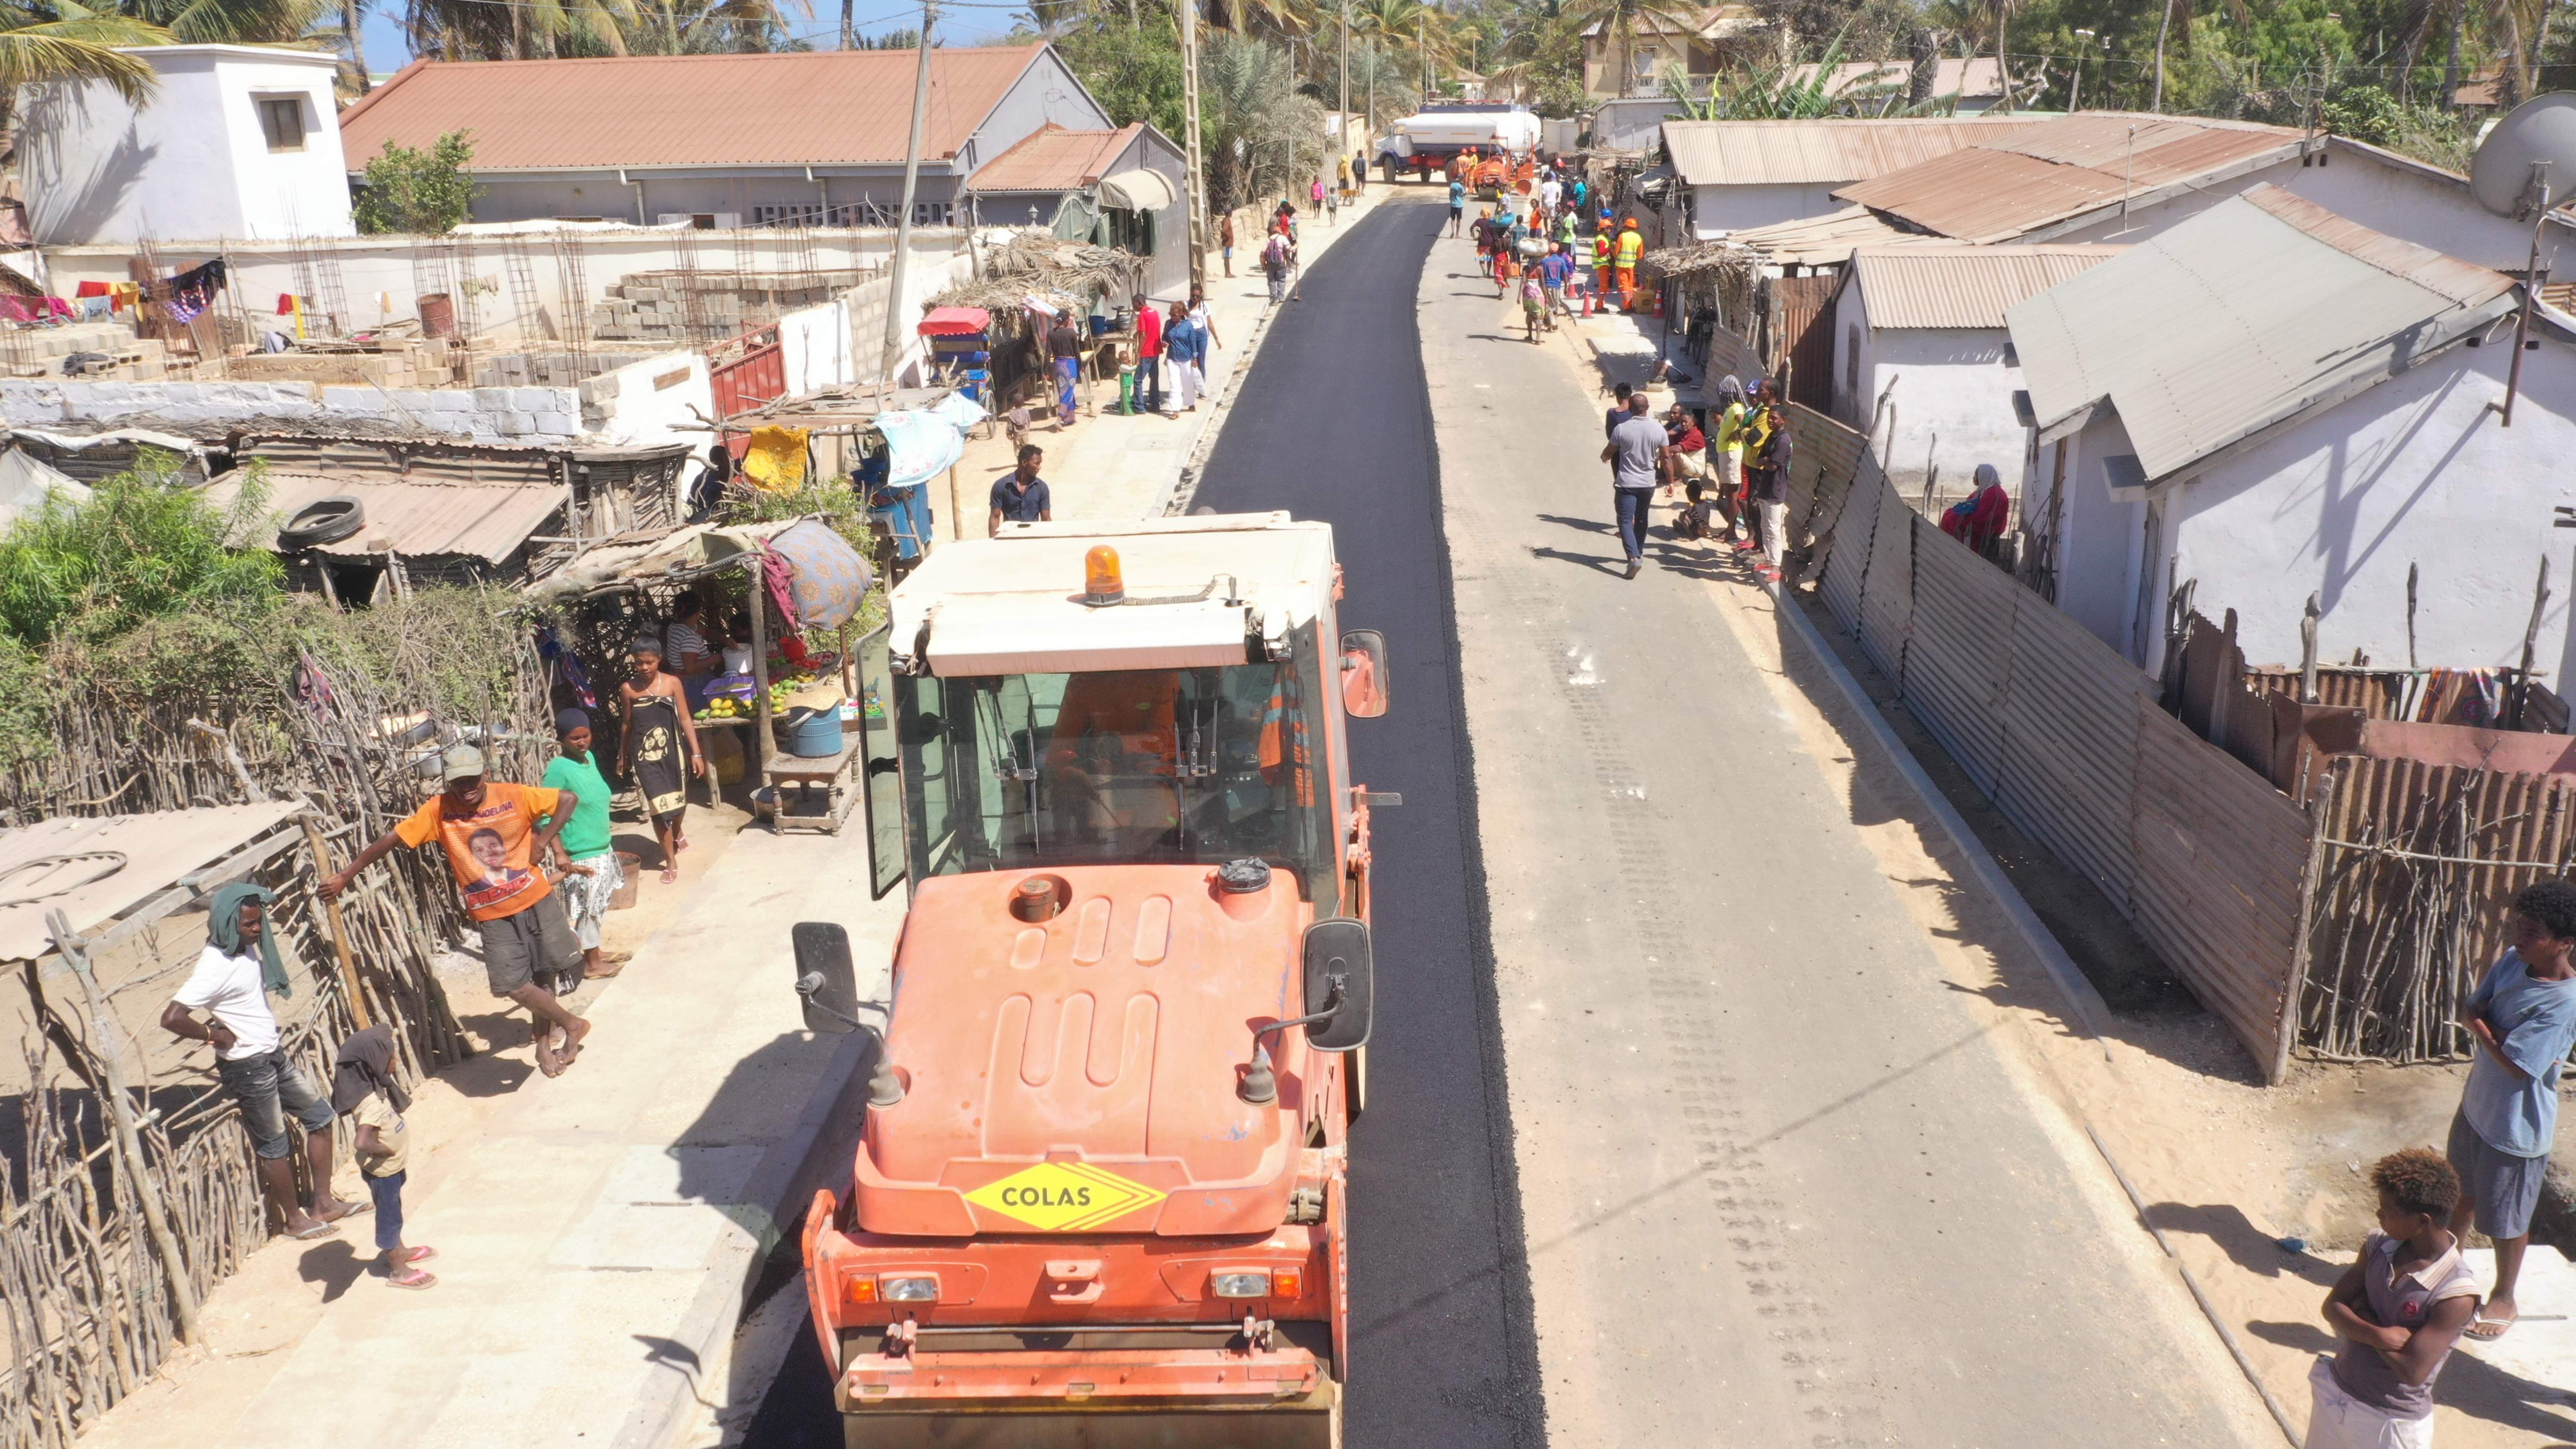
(654, 306)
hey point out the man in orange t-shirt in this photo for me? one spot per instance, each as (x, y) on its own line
(495, 845)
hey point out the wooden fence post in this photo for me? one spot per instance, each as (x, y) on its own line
(2296, 985)
(102, 1025)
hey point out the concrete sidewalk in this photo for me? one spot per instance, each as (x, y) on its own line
(597, 1234)
(1118, 466)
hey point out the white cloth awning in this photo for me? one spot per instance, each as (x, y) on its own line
(1137, 190)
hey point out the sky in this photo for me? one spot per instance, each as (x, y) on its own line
(386, 52)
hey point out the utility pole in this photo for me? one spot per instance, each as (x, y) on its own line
(911, 180)
(1422, 38)
(2075, 96)
(1347, 148)
(1190, 141)
(2163, 28)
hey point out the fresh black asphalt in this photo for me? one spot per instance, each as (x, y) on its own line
(1333, 422)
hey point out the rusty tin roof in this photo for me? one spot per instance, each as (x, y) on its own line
(1771, 153)
(1052, 158)
(1962, 286)
(416, 519)
(2065, 168)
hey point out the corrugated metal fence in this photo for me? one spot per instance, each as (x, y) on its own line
(2202, 855)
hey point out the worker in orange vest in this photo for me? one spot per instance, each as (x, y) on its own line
(1632, 245)
(1601, 243)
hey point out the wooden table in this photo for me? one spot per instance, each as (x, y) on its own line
(801, 779)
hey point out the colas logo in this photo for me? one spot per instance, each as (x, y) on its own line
(1064, 1197)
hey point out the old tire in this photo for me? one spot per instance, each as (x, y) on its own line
(324, 520)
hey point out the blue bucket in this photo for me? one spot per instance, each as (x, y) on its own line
(813, 734)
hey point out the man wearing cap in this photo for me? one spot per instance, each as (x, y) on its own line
(493, 837)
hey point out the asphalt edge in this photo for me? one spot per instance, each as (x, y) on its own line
(1503, 1133)
(1185, 484)
(1511, 1225)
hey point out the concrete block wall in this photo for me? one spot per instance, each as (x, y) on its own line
(535, 416)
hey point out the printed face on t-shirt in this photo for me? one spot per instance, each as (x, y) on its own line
(488, 845)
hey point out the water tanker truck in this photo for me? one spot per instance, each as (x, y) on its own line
(1440, 132)
(1099, 1196)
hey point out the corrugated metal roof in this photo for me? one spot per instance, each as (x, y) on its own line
(1772, 153)
(2240, 318)
(159, 848)
(1963, 286)
(1052, 158)
(1977, 77)
(486, 521)
(780, 108)
(2063, 168)
(1827, 240)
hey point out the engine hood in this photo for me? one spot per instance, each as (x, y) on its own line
(1078, 1074)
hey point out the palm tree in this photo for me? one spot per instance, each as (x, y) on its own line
(74, 44)
(1618, 21)
(1259, 133)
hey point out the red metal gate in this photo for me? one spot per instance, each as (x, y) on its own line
(755, 374)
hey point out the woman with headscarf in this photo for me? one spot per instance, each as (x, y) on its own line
(232, 982)
(657, 728)
(1979, 519)
(590, 869)
(1726, 451)
(364, 1090)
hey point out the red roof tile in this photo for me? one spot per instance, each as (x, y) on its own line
(789, 108)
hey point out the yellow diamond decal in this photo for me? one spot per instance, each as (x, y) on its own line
(1064, 1197)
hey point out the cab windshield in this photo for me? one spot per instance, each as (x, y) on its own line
(1005, 772)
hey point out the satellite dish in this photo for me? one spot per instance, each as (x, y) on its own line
(2539, 132)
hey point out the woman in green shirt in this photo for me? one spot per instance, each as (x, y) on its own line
(591, 877)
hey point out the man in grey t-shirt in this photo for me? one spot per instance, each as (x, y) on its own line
(1635, 442)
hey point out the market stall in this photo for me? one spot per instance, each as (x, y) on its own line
(774, 600)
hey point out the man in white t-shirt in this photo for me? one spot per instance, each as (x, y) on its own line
(1550, 193)
(231, 983)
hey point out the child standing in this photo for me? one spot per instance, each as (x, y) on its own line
(364, 1091)
(2398, 1311)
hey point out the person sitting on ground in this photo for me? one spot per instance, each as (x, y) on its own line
(1698, 517)
(1685, 452)
(363, 1090)
(584, 848)
(2398, 1311)
(235, 975)
(524, 931)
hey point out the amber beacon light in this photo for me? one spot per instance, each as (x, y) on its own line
(1102, 583)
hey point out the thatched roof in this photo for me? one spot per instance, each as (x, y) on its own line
(1034, 263)
(1720, 261)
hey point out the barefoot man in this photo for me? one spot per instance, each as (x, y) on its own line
(494, 842)
(235, 975)
(2523, 1017)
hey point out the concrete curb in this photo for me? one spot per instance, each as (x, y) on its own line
(809, 1154)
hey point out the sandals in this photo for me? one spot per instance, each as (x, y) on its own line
(2495, 1328)
(318, 1230)
(411, 1278)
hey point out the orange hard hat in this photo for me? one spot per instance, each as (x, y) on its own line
(1632, 221)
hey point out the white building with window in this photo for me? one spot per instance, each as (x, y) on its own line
(235, 141)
